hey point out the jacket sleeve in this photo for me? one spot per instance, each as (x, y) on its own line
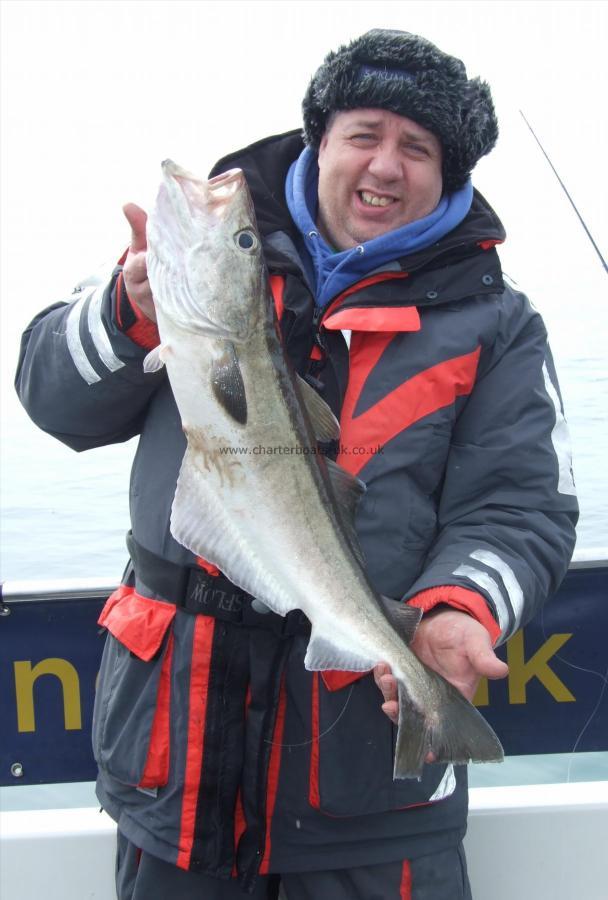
(80, 373)
(508, 509)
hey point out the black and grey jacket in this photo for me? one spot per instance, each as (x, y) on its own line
(217, 750)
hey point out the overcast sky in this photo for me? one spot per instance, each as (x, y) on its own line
(95, 94)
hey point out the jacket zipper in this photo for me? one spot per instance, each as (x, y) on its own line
(316, 323)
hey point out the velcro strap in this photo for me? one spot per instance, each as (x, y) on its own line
(192, 589)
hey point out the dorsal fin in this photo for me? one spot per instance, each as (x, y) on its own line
(322, 419)
(404, 619)
(347, 491)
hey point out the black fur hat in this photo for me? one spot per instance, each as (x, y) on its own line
(408, 75)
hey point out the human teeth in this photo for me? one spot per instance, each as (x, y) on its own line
(374, 200)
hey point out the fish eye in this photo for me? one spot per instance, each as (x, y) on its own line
(246, 240)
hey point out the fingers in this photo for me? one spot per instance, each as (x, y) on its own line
(380, 670)
(391, 709)
(386, 681)
(388, 686)
(137, 218)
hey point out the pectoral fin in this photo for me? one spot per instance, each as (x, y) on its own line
(154, 361)
(228, 386)
(404, 619)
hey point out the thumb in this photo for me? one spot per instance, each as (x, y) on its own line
(137, 218)
(493, 667)
(486, 663)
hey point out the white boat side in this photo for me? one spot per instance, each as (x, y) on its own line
(545, 842)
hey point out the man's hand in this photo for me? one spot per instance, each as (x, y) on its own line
(134, 271)
(452, 643)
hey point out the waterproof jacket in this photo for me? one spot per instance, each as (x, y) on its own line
(217, 750)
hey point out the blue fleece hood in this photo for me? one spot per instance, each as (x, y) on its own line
(337, 271)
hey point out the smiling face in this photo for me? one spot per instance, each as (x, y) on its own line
(377, 172)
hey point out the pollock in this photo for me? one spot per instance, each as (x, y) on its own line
(279, 525)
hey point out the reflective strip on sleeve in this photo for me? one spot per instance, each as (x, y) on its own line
(446, 786)
(560, 438)
(487, 583)
(92, 299)
(99, 334)
(516, 595)
(77, 352)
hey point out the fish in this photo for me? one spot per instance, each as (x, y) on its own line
(254, 495)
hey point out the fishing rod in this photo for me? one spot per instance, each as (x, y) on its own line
(582, 221)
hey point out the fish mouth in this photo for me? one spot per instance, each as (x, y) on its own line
(226, 184)
(214, 195)
(222, 190)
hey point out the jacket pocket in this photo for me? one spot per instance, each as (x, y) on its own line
(353, 753)
(132, 705)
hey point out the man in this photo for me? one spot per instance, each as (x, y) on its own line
(222, 760)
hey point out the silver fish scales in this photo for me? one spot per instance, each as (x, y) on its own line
(278, 523)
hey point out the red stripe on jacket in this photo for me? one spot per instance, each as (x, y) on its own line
(274, 768)
(199, 685)
(419, 396)
(277, 286)
(405, 888)
(156, 770)
(377, 318)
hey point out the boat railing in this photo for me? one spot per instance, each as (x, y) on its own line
(92, 588)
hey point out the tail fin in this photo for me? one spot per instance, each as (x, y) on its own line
(454, 733)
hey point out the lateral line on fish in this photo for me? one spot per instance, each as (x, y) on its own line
(323, 733)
